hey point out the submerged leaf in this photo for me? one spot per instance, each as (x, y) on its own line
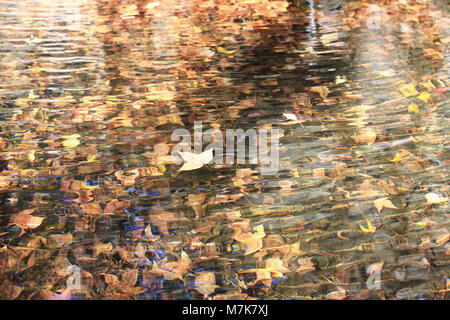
(370, 228)
(205, 283)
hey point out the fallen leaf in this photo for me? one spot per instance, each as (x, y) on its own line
(340, 79)
(99, 248)
(11, 290)
(25, 220)
(195, 160)
(424, 96)
(409, 90)
(71, 141)
(401, 156)
(205, 283)
(434, 198)
(370, 228)
(413, 108)
(383, 203)
(321, 90)
(426, 222)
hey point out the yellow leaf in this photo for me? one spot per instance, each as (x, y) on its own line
(413, 108)
(92, 157)
(31, 95)
(387, 73)
(259, 231)
(99, 248)
(276, 265)
(409, 90)
(370, 228)
(222, 50)
(25, 220)
(426, 222)
(34, 222)
(424, 96)
(71, 141)
(340, 79)
(188, 166)
(398, 158)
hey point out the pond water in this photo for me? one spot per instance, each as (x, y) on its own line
(93, 206)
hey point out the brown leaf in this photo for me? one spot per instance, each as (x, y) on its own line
(205, 283)
(383, 203)
(321, 90)
(25, 220)
(252, 241)
(129, 277)
(10, 290)
(100, 248)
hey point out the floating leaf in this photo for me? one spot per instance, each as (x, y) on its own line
(205, 283)
(370, 228)
(293, 119)
(383, 203)
(99, 248)
(321, 90)
(223, 50)
(409, 90)
(340, 79)
(413, 108)
(25, 220)
(424, 96)
(434, 198)
(401, 156)
(195, 160)
(71, 141)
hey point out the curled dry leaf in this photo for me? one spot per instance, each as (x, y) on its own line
(116, 206)
(129, 276)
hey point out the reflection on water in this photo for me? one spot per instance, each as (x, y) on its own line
(90, 92)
